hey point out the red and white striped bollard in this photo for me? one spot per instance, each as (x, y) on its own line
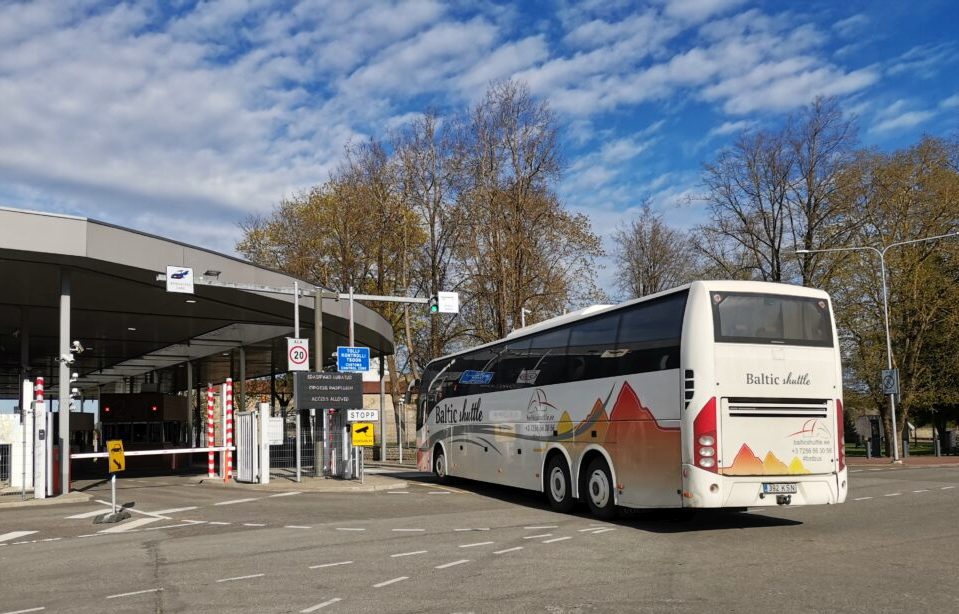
(210, 438)
(228, 475)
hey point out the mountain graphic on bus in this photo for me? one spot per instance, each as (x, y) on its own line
(747, 463)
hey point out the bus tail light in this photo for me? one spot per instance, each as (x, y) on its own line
(704, 437)
(841, 435)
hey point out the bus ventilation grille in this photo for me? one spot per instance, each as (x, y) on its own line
(689, 387)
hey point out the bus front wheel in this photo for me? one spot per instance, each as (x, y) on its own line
(599, 490)
(559, 488)
(439, 466)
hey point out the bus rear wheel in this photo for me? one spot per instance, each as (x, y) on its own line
(599, 490)
(559, 488)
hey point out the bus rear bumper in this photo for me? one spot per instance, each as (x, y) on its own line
(703, 489)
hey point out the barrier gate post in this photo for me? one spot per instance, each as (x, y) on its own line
(210, 437)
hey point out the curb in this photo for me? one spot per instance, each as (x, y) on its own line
(320, 486)
(72, 497)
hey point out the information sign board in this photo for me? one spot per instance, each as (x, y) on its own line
(362, 434)
(179, 279)
(890, 381)
(329, 390)
(352, 359)
(118, 461)
(448, 302)
(274, 432)
(476, 377)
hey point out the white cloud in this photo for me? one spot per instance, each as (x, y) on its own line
(851, 25)
(950, 103)
(925, 61)
(727, 128)
(908, 119)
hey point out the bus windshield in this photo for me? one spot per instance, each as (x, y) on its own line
(741, 317)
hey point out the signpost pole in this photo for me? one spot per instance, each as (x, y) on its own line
(351, 317)
(113, 491)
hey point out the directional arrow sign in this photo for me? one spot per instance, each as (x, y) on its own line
(118, 461)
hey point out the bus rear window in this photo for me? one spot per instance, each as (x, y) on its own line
(739, 317)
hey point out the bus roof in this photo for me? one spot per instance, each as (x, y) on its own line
(765, 287)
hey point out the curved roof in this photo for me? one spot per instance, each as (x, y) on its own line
(130, 324)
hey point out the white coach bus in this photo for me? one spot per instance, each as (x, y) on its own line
(715, 394)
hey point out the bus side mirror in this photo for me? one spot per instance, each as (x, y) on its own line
(408, 397)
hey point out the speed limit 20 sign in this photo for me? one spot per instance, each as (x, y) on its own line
(297, 354)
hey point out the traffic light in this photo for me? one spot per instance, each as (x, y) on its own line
(434, 304)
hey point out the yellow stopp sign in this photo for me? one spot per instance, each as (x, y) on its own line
(118, 461)
(362, 433)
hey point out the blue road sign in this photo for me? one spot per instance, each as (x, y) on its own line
(352, 359)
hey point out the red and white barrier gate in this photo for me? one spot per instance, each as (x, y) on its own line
(210, 437)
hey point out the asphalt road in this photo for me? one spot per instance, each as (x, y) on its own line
(474, 548)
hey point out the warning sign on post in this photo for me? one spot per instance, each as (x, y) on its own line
(297, 354)
(118, 461)
(362, 433)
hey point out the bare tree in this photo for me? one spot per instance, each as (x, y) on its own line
(651, 256)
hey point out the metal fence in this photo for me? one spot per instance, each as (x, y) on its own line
(4, 465)
(283, 457)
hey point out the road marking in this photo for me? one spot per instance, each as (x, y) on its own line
(395, 556)
(862, 498)
(25, 611)
(350, 529)
(219, 523)
(51, 539)
(149, 590)
(331, 564)
(541, 527)
(295, 526)
(946, 487)
(874, 470)
(514, 549)
(397, 492)
(188, 523)
(556, 539)
(393, 581)
(408, 530)
(537, 536)
(235, 501)
(15, 535)
(446, 488)
(473, 529)
(590, 529)
(134, 510)
(253, 524)
(174, 510)
(445, 565)
(320, 605)
(855, 471)
(439, 492)
(602, 531)
(922, 490)
(86, 515)
(288, 494)
(90, 535)
(893, 494)
(256, 575)
(476, 544)
(133, 524)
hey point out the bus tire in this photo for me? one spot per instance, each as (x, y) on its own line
(599, 494)
(440, 469)
(559, 487)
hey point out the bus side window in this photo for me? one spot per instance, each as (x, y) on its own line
(590, 344)
(649, 335)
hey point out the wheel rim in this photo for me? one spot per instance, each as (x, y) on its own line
(441, 465)
(557, 484)
(598, 486)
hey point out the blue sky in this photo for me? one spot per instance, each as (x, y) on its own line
(184, 121)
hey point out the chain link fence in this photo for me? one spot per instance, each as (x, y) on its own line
(5, 451)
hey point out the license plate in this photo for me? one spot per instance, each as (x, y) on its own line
(779, 488)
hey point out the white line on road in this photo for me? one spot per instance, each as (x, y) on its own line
(476, 544)
(15, 535)
(946, 487)
(893, 494)
(219, 523)
(149, 590)
(253, 524)
(589, 529)
(537, 536)
(350, 529)
(473, 529)
(439, 492)
(331, 564)
(174, 510)
(556, 539)
(445, 565)
(395, 556)
(130, 508)
(188, 523)
(320, 605)
(393, 581)
(289, 494)
(513, 549)
(922, 490)
(408, 530)
(597, 532)
(235, 501)
(133, 524)
(51, 539)
(295, 526)
(541, 527)
(862, 498)
(397, 492)
(256, 575)
(25, 611)
(86, 515)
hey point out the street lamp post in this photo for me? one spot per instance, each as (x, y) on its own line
(885, 309)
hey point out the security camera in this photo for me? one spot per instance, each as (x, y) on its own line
(76, 347)
(74, 376)
(67, 359)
